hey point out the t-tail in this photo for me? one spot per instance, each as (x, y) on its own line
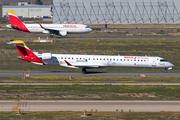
(25, 53)
(16, 23)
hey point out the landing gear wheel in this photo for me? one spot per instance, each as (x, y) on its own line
(51, 36)
(84, 71)
(165, 70)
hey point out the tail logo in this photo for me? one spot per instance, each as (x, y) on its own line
(26, 53)
(16, 23)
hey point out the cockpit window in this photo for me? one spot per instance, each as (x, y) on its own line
(87, 27)
(163, 60)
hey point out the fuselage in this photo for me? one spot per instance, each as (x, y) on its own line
(69, 28)
(107, 61)
(58, 29)
(88, 61)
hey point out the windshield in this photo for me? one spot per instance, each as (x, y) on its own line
(163, 60)
(87, 27)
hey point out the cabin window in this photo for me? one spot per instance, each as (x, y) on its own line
(68, 58)
(127, 59)
(124, 59)
(141, 60)
(100, 59)
(113, 59)
(121, 59)
(89, 58)
(131, 60)
(93, 58)
(83, 58)
(76, 58)
(80, 58)
(110, 59)
(117, 59)
(138, 60)
(163, 60)
(104, 59)
(65, 57)
(134, 59)
(107, 59)
(61, 57)
(144, 60)
(72, 58)
(97, 58)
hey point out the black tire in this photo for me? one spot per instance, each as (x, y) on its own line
(51, 36)
(165, 70)
(84, 71)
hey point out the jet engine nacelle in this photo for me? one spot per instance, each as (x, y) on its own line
(46, 56)
(62, 33)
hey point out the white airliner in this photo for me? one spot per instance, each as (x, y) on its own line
(89, 61)
(57, 29)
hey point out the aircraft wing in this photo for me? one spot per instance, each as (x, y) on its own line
(50, 30)
(81, 66)
(86, 66)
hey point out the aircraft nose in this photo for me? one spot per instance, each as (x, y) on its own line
(90, 30)
(171, 65)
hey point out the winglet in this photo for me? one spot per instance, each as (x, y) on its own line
(40, 25)
(68, 63)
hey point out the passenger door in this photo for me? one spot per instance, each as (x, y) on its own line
(154, 63)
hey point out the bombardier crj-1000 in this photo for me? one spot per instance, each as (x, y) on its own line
(89, 61)
(57, 29)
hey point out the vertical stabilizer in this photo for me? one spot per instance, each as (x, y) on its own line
(16, 23)
(25, 52)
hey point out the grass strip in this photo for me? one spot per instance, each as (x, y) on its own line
(69, 115)
(90, 92)
(89, 79)
(168, 49)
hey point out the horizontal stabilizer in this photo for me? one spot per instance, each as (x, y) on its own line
(17, 42)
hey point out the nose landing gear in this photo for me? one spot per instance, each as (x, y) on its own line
(165, 70)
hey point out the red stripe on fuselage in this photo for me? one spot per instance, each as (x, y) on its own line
(68, 63)
(28, 55)
(17, 24)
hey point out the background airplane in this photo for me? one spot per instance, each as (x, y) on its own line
(57, 29)
(89, 61)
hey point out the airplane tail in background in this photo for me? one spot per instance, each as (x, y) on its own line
(16, 23)
(25, 53)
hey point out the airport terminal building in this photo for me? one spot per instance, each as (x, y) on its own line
(28, 11)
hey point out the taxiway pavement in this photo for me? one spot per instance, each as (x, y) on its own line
(90, 105)
(79, 74)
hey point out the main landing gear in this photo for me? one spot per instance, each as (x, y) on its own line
(84, 71)
(51, 36)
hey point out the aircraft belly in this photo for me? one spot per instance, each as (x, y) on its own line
(35, 31)
(51, 62)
